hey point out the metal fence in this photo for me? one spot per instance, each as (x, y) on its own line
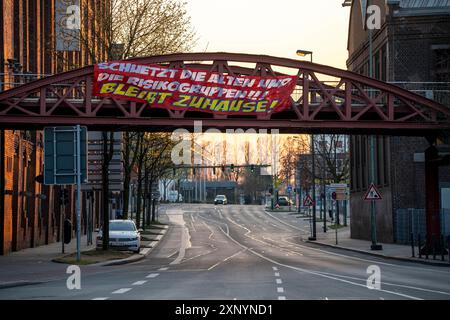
(413, 221)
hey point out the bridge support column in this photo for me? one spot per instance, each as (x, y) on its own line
(432, 199)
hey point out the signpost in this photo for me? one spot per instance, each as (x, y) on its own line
(65, 162)
(373, 195)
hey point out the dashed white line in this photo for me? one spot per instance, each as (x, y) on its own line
(139, 283)
(163, 269)
(123, 290)
(276, 274)
(278, 281)
(281, 298)
(100, 298)
(275, 268)
(280, 289)
(152, 275)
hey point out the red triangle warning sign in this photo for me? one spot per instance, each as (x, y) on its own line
(372, 193)
(308, 201)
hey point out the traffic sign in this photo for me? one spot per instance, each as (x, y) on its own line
(372, 193)
(341, 191)
(60, 155)
(289, 189)
(308, 201)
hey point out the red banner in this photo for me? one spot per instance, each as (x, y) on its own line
(192, 89)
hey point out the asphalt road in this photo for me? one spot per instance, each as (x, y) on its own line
(242, 252)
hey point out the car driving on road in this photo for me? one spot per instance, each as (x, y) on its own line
(220, 199)
(283, 201)
(123, 235)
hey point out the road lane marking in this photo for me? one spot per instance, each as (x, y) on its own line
(183, 245)
(101, 298)
(163, 269)
(281, 298)
(278, 281)
(277, 274)
(280, 289)
(120, 291)
(139, 283)
(226, 259)
(313, 272)
(152, 275)
(352, 257)
(393, 284)
(275, 268)
(172, 254)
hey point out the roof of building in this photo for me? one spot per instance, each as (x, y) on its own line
(424, 3)
(421, 7)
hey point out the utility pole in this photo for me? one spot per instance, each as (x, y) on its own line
(373, 214)
(313, 170)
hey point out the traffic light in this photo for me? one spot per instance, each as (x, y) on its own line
(232, 167)
(252, 168)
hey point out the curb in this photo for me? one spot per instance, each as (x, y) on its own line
(20, 283)
(427, 262)
(136, 257)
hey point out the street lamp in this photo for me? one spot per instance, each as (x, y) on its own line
(304, 53)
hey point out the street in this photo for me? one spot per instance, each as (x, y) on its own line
(237, 252)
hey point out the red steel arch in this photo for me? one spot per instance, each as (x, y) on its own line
(353, 103)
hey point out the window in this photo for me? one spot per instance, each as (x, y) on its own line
(9, 162)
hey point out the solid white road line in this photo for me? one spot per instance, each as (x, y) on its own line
(123, 290)
(226, 259)
(163, 269)
(350, 256)
(313, 272)
(280, 289)
(139, 283)
(100, 298)
(152, 275)
(278, 281)
(183, 245)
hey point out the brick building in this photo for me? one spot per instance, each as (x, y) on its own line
(31, 213)
(412, 50)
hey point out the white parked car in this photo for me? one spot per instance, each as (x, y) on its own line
(123, 235)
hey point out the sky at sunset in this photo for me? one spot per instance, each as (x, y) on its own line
(276, 28)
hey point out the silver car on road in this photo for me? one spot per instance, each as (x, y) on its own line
(123, 235)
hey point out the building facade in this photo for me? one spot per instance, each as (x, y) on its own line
(410, 49)
(31, 212)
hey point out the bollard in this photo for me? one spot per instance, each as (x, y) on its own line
(419, 244)
(412, 245)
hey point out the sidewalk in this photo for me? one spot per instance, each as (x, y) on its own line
(389, 251)
(34, 265)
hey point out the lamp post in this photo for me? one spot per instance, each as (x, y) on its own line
(304, 53)
(373, 213)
